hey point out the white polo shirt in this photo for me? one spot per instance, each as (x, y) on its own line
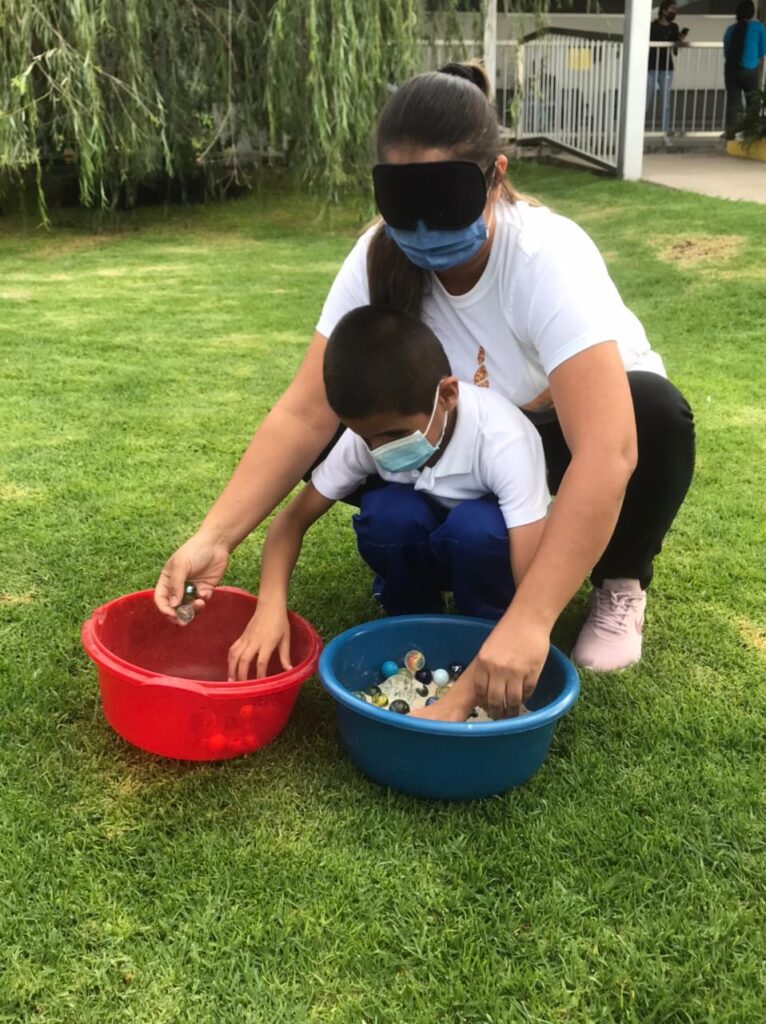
(494, 449)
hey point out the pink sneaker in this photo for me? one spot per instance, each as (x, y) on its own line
(612, 633)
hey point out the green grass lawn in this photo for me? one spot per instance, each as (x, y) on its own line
(625, 882)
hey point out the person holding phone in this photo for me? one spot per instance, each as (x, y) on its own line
(661, 66)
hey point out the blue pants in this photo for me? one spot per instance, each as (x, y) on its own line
(417, 549)
(662, 80)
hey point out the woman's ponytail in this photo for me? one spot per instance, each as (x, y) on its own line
(394, 281)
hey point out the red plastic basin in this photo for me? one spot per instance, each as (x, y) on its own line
(164, 689)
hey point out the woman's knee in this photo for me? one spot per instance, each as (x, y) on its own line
(659, 407)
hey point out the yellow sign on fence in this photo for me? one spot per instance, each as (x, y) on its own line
(580, 58)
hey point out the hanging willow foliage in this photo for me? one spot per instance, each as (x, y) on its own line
(126, 89)
(330, 62)
(131, 90)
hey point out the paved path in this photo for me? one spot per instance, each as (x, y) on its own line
(712, 174)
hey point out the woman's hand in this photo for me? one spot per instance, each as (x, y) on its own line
(201, 562)
(454, 706)
(502, 675)
(266, 632)
(505, 671)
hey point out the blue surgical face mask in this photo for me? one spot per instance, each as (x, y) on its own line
(432, 249)
(410, 452)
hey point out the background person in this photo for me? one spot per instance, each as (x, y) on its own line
(522, 302)
(660, 75)
(744, 47)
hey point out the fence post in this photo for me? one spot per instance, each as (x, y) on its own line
(518, 93)
(635, 60)
(490, 44)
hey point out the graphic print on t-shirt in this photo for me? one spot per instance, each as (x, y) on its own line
(481, 377)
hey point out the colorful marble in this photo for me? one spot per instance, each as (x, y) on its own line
(388, 668)
(414, 660)
(423, 675)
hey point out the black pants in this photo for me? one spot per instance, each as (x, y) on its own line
(738, 81)
(665, 428)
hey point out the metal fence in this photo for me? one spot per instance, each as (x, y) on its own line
(565, 88)
(685, 92)
(570, 95)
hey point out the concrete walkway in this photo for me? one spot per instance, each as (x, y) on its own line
(712, 174)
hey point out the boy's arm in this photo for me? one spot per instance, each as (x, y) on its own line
(524, 541)
(283, 542)
(269, 628)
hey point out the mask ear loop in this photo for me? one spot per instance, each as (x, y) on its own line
(446, 417)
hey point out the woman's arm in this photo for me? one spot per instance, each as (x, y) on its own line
(595, 409)
(285, 445)
(524, 542)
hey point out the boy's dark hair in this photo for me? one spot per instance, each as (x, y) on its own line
(379, 360)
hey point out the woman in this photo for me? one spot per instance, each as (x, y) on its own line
(744, 47)
(523, 303)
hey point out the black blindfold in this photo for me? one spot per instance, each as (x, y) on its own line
(446, 195)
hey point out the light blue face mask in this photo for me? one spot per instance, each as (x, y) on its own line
(432, 249)
(410, 452)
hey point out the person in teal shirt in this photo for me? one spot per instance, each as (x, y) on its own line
(744, 47)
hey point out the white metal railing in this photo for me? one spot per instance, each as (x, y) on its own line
(565, 88)
(685, 93)
(559, 87)
(436, 52)
(570, 95)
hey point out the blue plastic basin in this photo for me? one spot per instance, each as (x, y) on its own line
(438, 760)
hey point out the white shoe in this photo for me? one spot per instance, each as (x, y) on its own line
(613, 632)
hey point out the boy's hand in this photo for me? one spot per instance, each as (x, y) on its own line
(267, 631)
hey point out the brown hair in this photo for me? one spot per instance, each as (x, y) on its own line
(381, 360)
(447, 109)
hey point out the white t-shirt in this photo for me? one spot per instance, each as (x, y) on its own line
(544, 296)
(494, 449)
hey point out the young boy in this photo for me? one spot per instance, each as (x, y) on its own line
(462, 479)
